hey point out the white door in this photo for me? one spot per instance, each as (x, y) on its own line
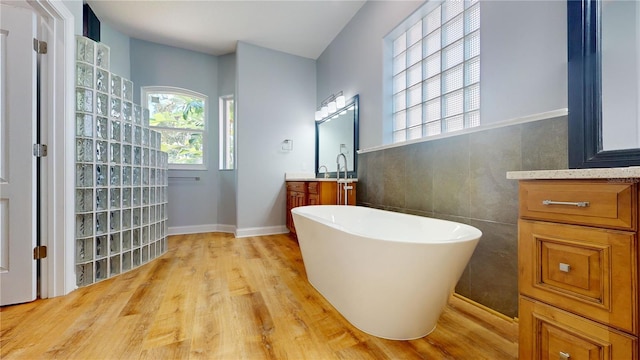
(17, 164)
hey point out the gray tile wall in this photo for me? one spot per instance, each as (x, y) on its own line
(463, 178)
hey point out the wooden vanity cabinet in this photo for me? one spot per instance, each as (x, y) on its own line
(301, 193)
(578, 269)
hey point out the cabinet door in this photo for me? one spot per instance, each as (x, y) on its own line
(294, 199)
(588, 271)
(550, 333)
(314, 199)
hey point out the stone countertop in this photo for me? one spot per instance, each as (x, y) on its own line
(308, 176)
(318, 179)
(600, 173)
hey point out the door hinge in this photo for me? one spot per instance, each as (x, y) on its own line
(40, 47)
(39, 252)
(39, 150)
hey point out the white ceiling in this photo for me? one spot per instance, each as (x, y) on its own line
(298, 27)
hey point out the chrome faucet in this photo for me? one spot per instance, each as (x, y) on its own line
(326, 171)
(338, 165)
(342, 184)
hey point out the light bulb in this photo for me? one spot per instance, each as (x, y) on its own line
(318, 115)
(324, 111)
(340, 101)
(332, 107)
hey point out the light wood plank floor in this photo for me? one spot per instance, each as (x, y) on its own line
(216, 297)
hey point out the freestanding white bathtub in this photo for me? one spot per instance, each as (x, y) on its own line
(389, 274)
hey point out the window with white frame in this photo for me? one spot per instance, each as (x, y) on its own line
(180, 115)
(436, 72)
(227, 135)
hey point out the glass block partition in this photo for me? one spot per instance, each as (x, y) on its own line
(121, 174)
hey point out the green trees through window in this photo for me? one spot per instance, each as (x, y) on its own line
(181, 117)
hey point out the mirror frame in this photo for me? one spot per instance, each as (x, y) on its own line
(355, 100)
(585, 91)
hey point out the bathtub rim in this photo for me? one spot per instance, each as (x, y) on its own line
(474, 234)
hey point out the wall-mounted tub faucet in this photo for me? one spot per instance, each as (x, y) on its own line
(342, 183)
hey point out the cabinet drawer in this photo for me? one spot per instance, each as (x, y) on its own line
(598, 203)
(549, 333)
(313, 188)
(296, 186)
(587, 271)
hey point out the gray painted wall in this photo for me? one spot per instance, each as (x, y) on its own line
(117, 41)
(190, 202)
(353, 63)
(463, 178)
(523, 58)
(523, 64)
(227, 197)
(119, 45)
(75, 7)
(275, 101)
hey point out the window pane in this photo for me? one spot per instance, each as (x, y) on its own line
(454, 123)
(472, 45)
(472, 19)
(414, 74)
(432, 43)
(436, 68)
(399, 44)
(453, 30)
(414, 132)
(472, 98)
(399, 136)
(399, 101)
(415, 116)
(432, 88)
(453, 79)
(453, 103)
(399, 120)
(400, 82)
(227, 133)
(433, 128)
(453, 55)
(176, 111)
(451, 8)
(414, 94)
(472, 71)
(183, 147)
(399, 63)
(432, 110)
(472, 119)
(432, 65)
(432, 21)
(414, 54)
(415, 33)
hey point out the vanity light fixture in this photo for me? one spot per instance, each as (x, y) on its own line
(330, 105)
(340, 100)
(324, 111)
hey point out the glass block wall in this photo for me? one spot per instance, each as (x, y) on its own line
(121, 174)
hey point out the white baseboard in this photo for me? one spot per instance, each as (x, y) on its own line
(196, 229)
(261, 231)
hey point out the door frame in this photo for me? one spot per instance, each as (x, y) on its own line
(57, 273)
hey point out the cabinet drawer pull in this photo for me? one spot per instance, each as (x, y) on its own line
(564, 356)
(578, 204)
(565, 267)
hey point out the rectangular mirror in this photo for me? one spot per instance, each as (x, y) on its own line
(620, 74)
(335, 134)
(604, 83)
